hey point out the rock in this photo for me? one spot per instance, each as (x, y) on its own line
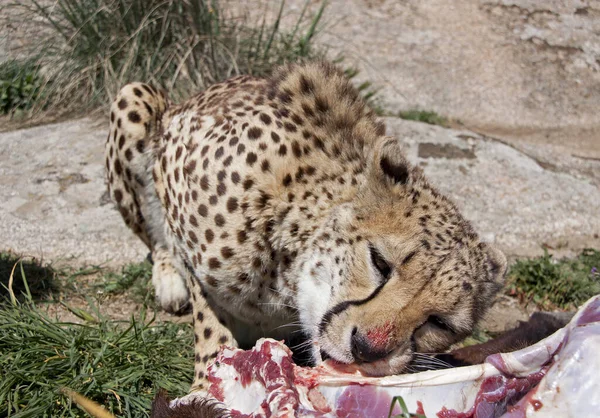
(495, 62)
(53, 200)
(524, 71)
(512, 200)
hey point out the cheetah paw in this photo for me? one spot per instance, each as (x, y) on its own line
(171, 291)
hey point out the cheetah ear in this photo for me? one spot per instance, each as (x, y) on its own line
(389, 163)
(496, 265)
(490, 279)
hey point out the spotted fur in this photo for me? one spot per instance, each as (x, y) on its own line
(281, 206)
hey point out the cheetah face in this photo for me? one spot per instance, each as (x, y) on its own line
(405, 273)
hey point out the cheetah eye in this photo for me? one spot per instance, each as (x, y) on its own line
(439, 323)
(380, 264)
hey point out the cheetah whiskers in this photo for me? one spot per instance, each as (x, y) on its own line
(290, 325)
(303, 345)
(428, 361)
(278, 304)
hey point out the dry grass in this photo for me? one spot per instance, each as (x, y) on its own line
(88, 49)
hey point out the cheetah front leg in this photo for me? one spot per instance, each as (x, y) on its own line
(210, 333)
(129, 153)
(212, 330)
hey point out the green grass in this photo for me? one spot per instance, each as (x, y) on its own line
(404, 409)
(431, 118)
(88, 49)
(135, 279)
(478, 336)
(46, 283)
(117, 364)
(551, 283)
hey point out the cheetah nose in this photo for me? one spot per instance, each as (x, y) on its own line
(363, 351)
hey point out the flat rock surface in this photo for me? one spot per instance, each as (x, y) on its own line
(526, 71)
(53, 202)
(513, 200)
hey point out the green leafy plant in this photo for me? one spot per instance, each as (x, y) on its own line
(478, 336)
(551, 283)
(135, 278)
(20, 84)
(431, 118)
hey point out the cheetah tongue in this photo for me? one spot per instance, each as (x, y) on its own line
(332, 367)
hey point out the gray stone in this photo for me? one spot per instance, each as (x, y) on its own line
(53, 201)
(525, 71)
(52, 196)
(512, 200)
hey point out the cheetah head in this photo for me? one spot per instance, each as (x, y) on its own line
(395, 271)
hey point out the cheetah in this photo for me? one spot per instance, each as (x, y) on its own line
(278, 207)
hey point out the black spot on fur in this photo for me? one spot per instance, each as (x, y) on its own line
(134, 117)
(254, 133)
(306, 85)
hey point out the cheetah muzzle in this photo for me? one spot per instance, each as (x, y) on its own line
(280, 208)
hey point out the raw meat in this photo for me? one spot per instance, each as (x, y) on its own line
(556, 377)
(264, 382)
